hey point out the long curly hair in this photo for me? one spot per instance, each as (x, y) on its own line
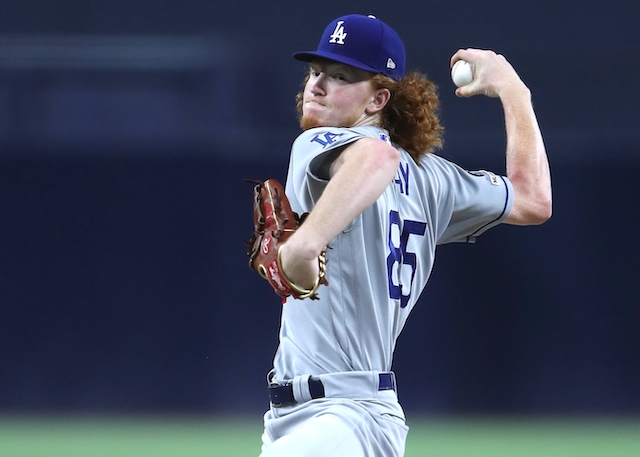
(412, 114)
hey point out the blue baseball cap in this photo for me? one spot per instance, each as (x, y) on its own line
(364, 42)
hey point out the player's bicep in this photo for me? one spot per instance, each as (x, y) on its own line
(482, 200)
(528, 209)
(515, 216)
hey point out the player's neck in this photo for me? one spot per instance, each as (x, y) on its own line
(367, 120)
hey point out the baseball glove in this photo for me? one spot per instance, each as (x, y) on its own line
(274, 222)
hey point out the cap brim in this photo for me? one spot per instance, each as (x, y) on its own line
(308, 56)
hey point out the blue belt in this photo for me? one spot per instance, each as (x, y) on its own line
(282, 394)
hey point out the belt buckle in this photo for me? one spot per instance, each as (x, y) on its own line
(288, 387)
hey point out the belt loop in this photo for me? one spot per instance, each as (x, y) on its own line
(395, 382)
(271, 381)
(301, 391)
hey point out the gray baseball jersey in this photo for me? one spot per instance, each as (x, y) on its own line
(380, 264)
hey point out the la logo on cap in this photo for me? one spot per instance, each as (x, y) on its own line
(338, 34)
(374, 46)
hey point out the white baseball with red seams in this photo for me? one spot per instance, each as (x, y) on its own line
(462, 73)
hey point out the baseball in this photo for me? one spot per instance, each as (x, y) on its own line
(462, 73)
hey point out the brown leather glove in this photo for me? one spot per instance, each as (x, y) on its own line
(274, 222)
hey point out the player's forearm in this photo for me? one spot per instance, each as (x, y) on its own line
(360, 175)
(527, 163)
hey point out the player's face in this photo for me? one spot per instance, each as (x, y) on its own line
(335, 95)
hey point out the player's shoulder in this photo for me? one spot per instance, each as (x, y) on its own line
(332, 137)
(433, 168)
(322, 136)
(435, 162)
(450, 171)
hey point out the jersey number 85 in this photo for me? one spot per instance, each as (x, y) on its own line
(399, 259)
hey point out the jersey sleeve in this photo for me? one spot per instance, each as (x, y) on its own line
(477, 201)
(311, 156)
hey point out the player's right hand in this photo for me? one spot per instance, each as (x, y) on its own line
(493, 75)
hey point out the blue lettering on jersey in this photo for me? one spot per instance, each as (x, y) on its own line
(329, 138)
(402, 178)
(400, 258)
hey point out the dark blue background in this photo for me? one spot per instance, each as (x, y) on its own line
(127, 129)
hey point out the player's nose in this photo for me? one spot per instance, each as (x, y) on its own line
(318, 84)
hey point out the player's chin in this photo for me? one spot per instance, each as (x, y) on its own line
(310, 122)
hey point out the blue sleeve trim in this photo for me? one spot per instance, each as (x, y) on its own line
(471, 238)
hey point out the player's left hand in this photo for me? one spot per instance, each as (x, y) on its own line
(274, 223)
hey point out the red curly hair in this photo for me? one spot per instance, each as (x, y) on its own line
(412, 114)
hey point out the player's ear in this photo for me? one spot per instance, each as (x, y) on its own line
(379, 100)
